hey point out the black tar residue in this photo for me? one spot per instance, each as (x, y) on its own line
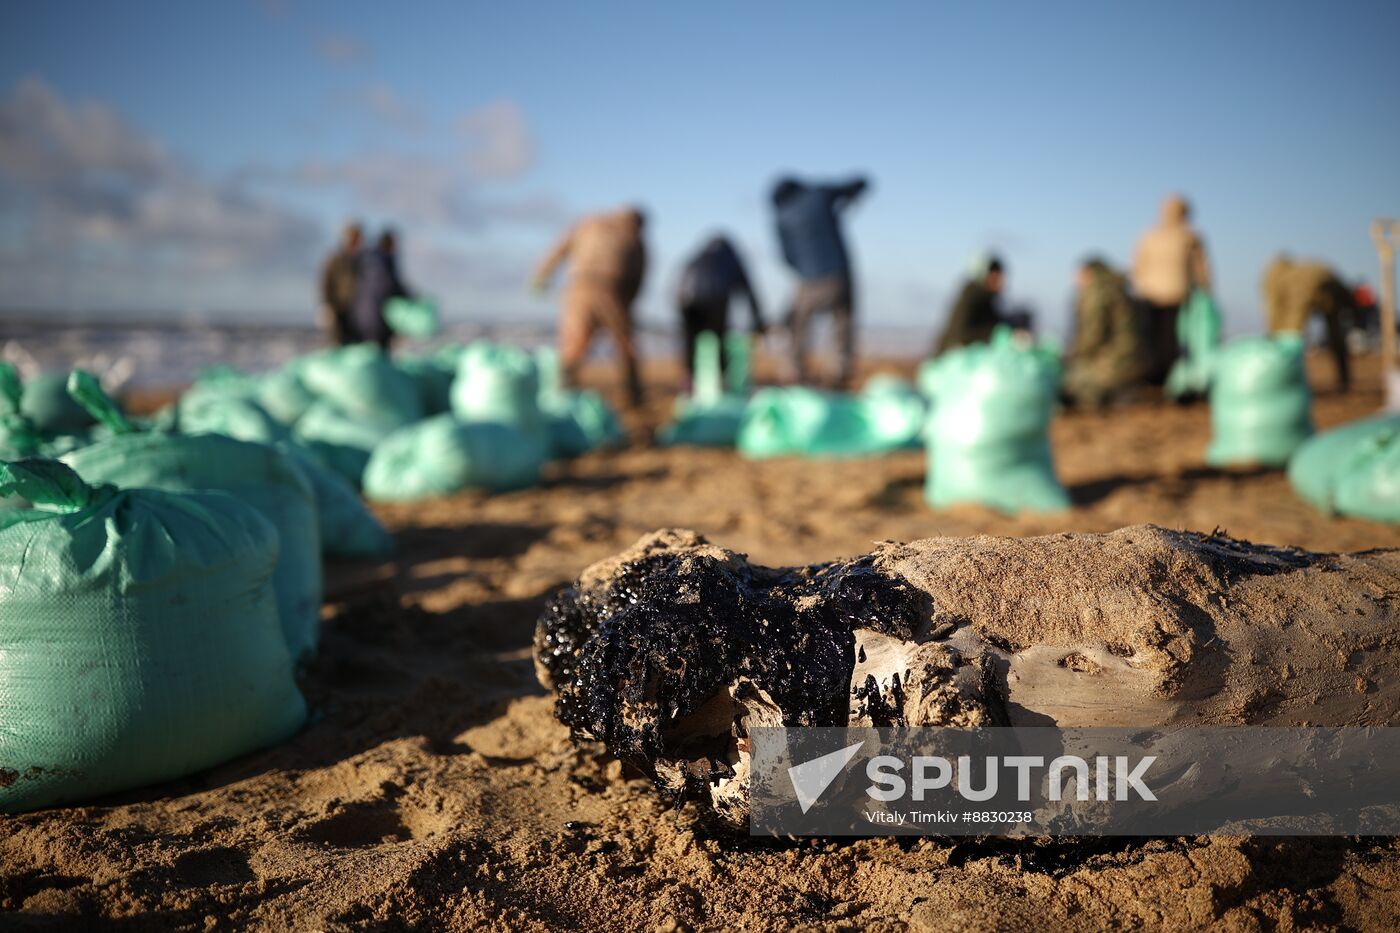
(673, 630)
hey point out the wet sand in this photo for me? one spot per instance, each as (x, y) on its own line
(434, 788)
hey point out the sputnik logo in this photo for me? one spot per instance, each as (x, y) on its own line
(811, 778)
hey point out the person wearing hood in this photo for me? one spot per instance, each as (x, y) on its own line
(607, 259)
(377, 280)
(711, 279)
(977, 311)
(1107, 356)
(1296, 288)
(809, 233)
(1168, 264)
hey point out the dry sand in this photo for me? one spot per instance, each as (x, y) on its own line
(434, 788)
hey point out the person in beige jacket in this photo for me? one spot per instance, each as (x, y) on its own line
(608, 260)
(1169, 263)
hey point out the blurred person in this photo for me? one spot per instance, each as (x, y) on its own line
(608, 261)
(977, 311)
(1295, 289)
(338, 283)
(1108, 356)
(1169, 262)
(809, 232)
(378, 280)
(710, 279)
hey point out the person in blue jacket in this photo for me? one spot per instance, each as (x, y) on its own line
(809, 232)
(378, 281)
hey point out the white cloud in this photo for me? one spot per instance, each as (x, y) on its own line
(500, 145)
(93, 196)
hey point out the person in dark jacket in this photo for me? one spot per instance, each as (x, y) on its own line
(711, 278)
(977, 311)
(338, 287)
(378, 274)
(809, 232)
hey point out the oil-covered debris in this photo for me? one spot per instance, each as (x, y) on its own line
(672, 652)
(669, 660)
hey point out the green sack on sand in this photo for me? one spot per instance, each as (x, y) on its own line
(577, 420)
(497, 383)
(711, 415)
(339, 440)
(442, 455)
(888, 415)
(256, 474)
(139, 637)
(411, 317)
(1352, 470)
(230, 415)
(347, 527)
(362, 382)
(1260, 407)
(987, 434)
(1198, 329)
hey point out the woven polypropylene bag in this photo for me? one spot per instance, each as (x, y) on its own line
(441, 455)
(362, 382)
(497, 383)
(987, 433)
(139, 638)
(258, 474)
(1352, 470)
(1260, 407)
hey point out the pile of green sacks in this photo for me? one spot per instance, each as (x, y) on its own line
(1352, 470)
(886, 415)
(139, 636)
(508, 415)
(987, 432)
(484, 416)
(1260, 407)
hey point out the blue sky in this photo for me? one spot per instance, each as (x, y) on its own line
(198, 157)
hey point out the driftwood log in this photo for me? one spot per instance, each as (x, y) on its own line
(671, 651)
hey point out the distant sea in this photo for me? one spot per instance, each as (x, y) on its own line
(161, 353)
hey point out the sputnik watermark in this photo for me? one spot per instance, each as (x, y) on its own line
(1031, 781)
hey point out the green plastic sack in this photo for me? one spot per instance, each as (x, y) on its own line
(230, 415)
(497, 383)
(1198, 328)
(257, 474)
(47, 404)
(711, 415)
(411, 317)
(1260, 407)
(339, 440)
(347, 527)
(361, 382)
(280, 394)
(1352, 470)
(987, 433)
(139, 638)
(577, 420)
(442, 455)
(893, 412)
(797, 420)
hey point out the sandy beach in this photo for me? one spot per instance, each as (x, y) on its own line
(434, 789)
